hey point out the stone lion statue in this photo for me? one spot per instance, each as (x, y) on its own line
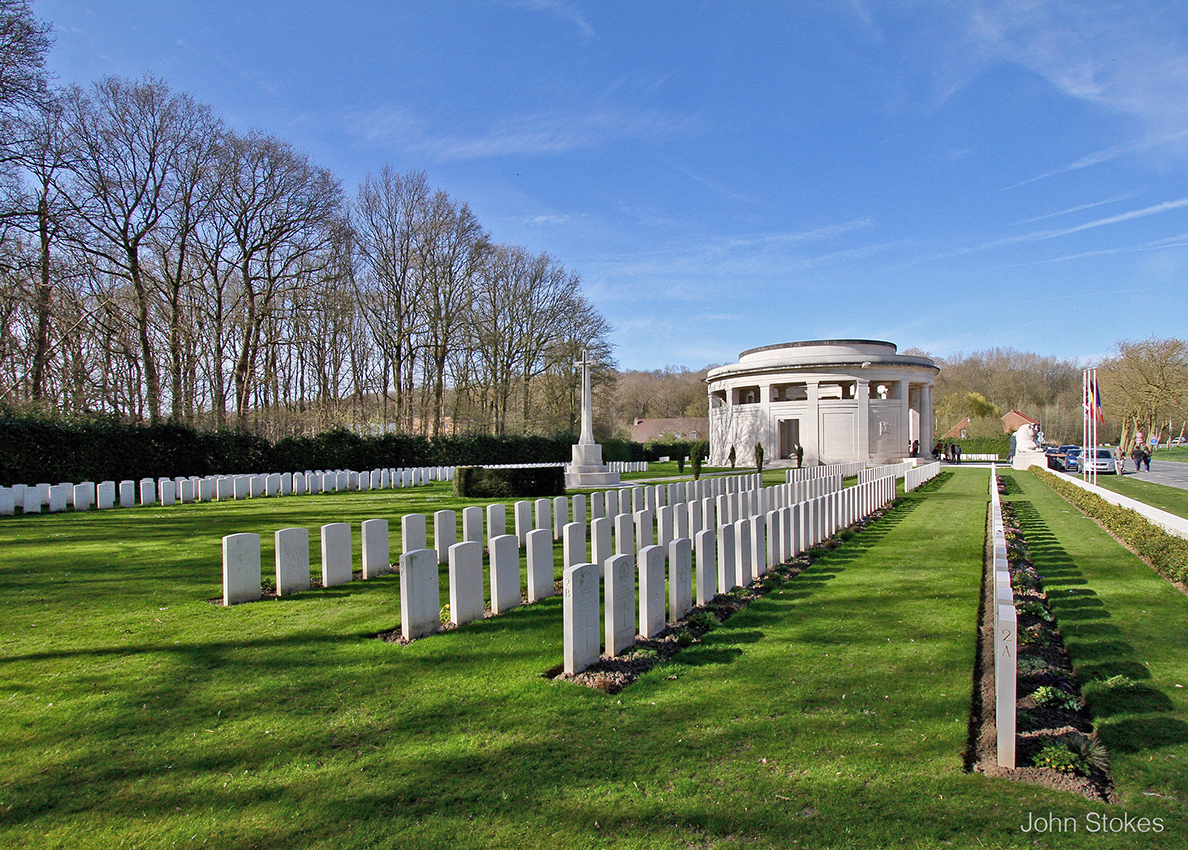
(1029, 438)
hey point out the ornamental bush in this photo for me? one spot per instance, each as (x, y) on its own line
(474, 482)
(1167, 553)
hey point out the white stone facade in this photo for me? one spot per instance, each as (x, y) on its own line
(842, 400)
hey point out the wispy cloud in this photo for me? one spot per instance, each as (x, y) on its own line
(1126, 57)
(1104, 155)
(1070, 210)
(566, 11)
(521, 135)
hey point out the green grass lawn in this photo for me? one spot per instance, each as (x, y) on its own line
(1118, 618)
(1171, 499)
(831, 713)
(1179, 453)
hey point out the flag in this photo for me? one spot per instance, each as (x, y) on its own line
(1093, 398)
(1097, 400)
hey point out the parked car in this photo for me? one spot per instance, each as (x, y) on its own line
(1071, 458)
(1099, 460)
(1179, 441)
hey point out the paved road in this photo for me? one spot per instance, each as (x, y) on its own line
(1170, 472)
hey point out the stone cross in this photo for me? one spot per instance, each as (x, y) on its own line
(584, 364)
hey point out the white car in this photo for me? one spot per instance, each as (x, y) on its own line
(1099, 460)
(1178, 441)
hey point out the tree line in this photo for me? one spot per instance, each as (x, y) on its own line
(158, 265)
(1143, 387)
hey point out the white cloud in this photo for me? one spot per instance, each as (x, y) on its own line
(520, 135)
(566, 11)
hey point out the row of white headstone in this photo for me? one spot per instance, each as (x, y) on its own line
(727, 555)
(825, 470)
(899, 470)
(917, 475)
(612, 465)
(735, 495)
(981, 456)
(33, 499)
(1006, 657)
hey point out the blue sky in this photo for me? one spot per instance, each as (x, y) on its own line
(946, 175)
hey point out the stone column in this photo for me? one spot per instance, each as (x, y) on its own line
(902, 392)
(927, 434)
(810, 425)
(862, 396)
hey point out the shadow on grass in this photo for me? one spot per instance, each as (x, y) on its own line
(1124, 711)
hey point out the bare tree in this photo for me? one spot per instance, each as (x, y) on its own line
(449, 258)
(130, 138)
(280, 207)
(390, 215)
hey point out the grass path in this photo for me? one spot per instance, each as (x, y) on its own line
(831, 713)
(1118, 618)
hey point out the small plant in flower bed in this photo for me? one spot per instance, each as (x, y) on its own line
(1090, 750)
(1057, 756)
(1050, 696)
(703, 621)
(1032, 637)
(1032, 665)
(1035, 609)
(1026, 578)
(1119, 682)
(684, 636)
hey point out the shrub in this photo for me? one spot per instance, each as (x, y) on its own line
(1057, 756)
(1165, 552)
(475, 482)
(696, 455)
(759, 457)
(1048, 696)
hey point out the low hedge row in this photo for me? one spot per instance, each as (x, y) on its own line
(36, 449)
(1167, 553)
(474, 482)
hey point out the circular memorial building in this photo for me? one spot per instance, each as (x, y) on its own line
(840, 399)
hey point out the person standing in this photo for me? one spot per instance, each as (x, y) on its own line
(1136, 455)
(1147, 459)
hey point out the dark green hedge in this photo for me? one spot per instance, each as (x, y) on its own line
(981, 445)
(473, 482)
(33, 450)
(1167, 553)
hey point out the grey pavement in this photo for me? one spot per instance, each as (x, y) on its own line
(1170, 472)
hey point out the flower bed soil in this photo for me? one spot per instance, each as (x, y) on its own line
(1043, 663)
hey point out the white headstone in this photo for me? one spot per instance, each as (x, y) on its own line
(127, 494)
(544, 514)
(7, 502)
(727, 574)
(758, 545)
(644, 525)
(84, 496)
(168, 491)
(420, 594)
(743, 563)
(412, 533)
(523, 519)
(292, 560)
(148, 491)
(472, 524)
(601, 545)
(619, 603)
(241, 568)
(680, 578)
(58, 494)
(651, 590)
(624, 535)
(560, 515)
(466, 581)
(539, 553)
(707, 569)
(579, 509)
(574, 544)
(580, 626)
(336, 554)
(505, 572)
(497, 522)
(376, 554)
(445, 534)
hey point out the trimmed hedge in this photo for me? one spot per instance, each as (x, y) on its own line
(474, 482)
(33, 450)
(1000, 446)
(1167, 553)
